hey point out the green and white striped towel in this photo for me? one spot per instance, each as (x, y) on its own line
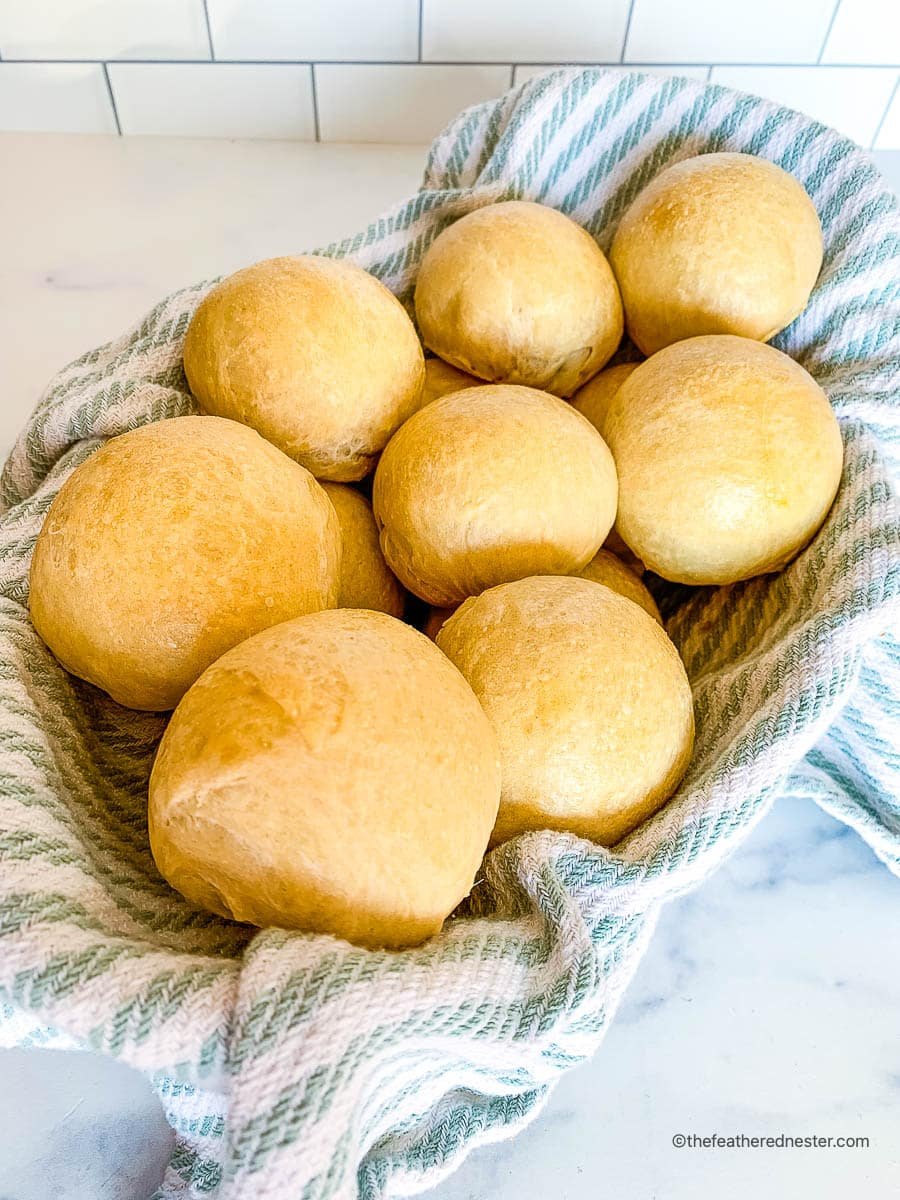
(294, 1065)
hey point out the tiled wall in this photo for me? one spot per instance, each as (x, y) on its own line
(398, 70)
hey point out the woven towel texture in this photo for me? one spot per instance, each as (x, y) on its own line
(299, 1066)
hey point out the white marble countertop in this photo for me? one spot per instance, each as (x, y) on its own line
(769, 1000)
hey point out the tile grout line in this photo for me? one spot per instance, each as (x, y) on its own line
(209, 38)
(112, 99)
(451, 62)
(627, 31)
(315, 102)
(887, 109)
(421, 23)
(834, 14)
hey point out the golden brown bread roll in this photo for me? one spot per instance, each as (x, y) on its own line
(314, 353)
(333, 774)
(490, 484)
(729, 457)
(436, 619)
(518, 293)
(171, 544)
(589, 699)
(623, 553)
(720, 243)
(605, 568)
(441, 379)
(366, 581)
(593, 400)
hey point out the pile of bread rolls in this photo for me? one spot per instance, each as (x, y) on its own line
(328, 767)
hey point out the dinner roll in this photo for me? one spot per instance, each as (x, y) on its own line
(623, 553)
(490, 484)
(314, 353)
(333, 774)
(589, 699)
(436, 619)
(728, 455)
(605, 568)
(518, 293)
(366, 581)
(593, 400)
(441, 379)
(721, 243)
(171, 544)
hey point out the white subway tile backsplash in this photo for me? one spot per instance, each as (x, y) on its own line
(55, 97)
(851, 99)
(709, 31)
(889, 134)
(404, 103)
(865, 31)
(308, 29)
(524, 30)
(690, 72)
(399, 70)
(49, 29)
(214, 99)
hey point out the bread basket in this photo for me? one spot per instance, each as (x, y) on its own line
(297, 1065)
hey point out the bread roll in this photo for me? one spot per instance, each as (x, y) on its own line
(721, 243)
(490, 484)
(605, 568)
(441, 379)
(366, 581)
(623, 553)
(333, 774)
(517, 293)
(729, 457)
(170, 545)
(436, 619)
(314, 353)
(589, 699)
(593, 400)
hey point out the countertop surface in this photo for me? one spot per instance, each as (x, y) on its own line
(768, 1001)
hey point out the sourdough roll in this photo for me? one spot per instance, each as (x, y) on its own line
(720, 243)
(314, 353)
(171, 544)
(589, 699)
(366, 581)
(441, 379)
(605, 568)
(333, 774)
(491, 484)
(518, 293)
(593, 400)
(729, 457)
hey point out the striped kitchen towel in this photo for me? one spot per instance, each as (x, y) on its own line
(295, 1065)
